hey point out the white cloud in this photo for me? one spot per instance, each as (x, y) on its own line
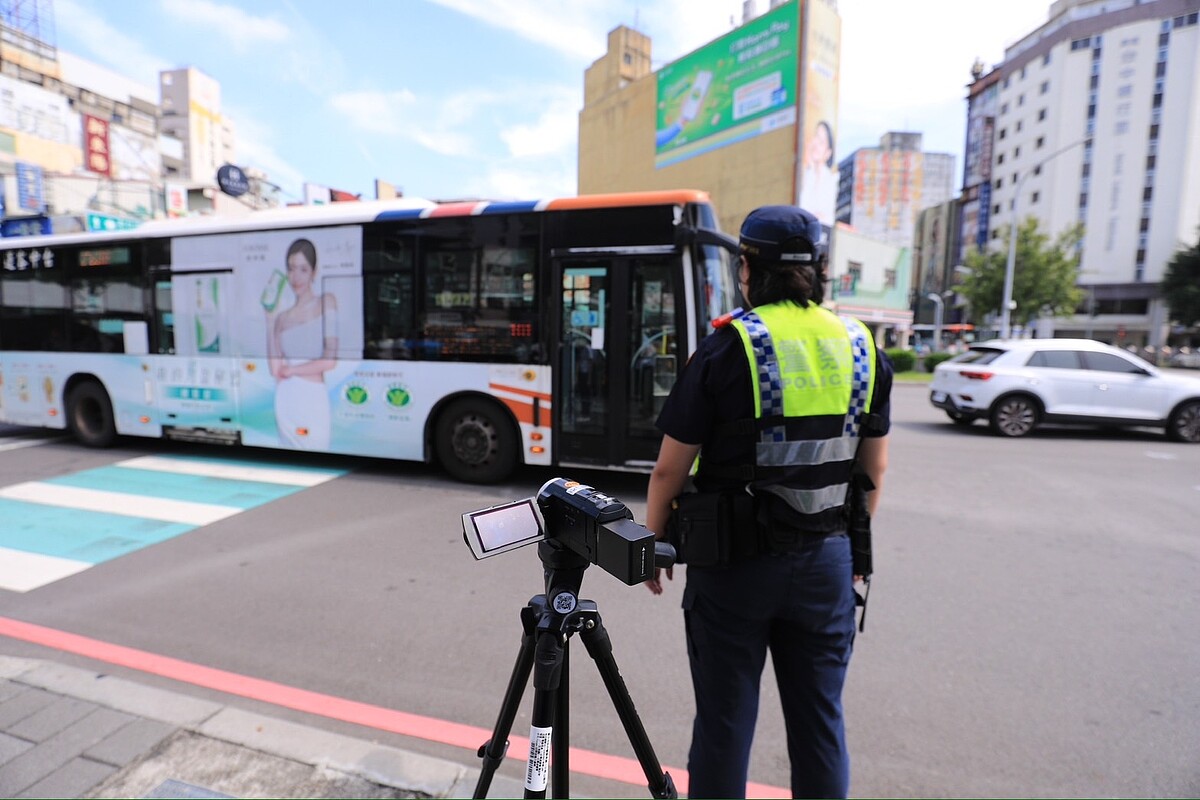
(239, 28)
(459, 124)
(554, 132)
(256, 147)
(578, 29)
(399, 113)
(108, 45)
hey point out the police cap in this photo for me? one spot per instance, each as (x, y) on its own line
(781, 233)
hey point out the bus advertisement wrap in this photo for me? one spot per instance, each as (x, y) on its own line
(284, 310)
(737, 87)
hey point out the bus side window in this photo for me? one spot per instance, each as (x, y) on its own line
(164, 318)
(102, 307)
(388, 298)
(33, 311)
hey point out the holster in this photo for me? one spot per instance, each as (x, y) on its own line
(710, 529)
(859, 524)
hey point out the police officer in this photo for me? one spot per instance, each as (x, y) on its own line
(778, 403)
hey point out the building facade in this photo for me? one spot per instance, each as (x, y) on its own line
(881, 190)
(1094, 118)
(750, 117)
(85, 148)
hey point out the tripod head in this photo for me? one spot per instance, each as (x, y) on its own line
(567, 517)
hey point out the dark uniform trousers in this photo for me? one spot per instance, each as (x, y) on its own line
(800, 606)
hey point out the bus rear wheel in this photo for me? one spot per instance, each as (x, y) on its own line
(475, 442)
(90, 415)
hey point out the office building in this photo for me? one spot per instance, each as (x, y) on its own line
(1094, 118)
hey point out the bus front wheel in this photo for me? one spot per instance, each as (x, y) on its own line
(475, 442)
(90, 415)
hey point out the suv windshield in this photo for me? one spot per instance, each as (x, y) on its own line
(979, 355)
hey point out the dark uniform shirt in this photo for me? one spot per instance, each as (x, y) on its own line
(715, 388)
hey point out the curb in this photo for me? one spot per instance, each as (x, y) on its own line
(380, 764)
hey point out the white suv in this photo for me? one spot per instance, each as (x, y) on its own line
(1018, 384)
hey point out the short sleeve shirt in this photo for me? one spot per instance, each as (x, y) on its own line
(715, 388)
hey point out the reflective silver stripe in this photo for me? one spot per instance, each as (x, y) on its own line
(811, 501)
(806, 453)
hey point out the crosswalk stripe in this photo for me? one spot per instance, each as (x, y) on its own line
(21, 571)
(17, 444)
(118, 503)
(243, 472)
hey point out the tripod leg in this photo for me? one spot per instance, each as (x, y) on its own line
(599, 647)
(492, 752)
(560, 762)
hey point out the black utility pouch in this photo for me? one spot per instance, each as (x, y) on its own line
(699, 530)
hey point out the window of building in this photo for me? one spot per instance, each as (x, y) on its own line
(1016, 152)
(1000, 158)
(1121, 128)
(889, 279)
(1042, 115)
(1003, 133)
(1045, 87)
(1004, 108)
(1020, 125)
(1041, 141)
(1046, 59)
(1037, 170)
(1081, 44)
(999, 182)
(1033, 198)
(1160, 69)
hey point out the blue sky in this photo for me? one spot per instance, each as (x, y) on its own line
(457, 98)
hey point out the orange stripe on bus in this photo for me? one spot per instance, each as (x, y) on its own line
(515, 390)
(521, 410)
(675, 196)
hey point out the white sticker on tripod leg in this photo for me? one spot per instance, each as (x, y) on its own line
(537, 776)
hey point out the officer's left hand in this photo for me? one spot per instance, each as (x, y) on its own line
(655, 584)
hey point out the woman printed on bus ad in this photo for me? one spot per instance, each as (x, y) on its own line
(302, 343)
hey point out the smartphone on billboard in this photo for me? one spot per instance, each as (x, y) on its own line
(495, 530)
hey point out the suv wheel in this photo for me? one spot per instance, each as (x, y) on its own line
(1184, 425)
(1015, 415)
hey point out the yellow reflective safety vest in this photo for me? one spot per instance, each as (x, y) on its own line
(813, 377)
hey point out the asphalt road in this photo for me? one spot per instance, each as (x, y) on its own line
(1032, 625)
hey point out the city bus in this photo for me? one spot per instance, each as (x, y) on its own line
(475, 335)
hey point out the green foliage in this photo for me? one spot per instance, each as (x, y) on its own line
(1044, 275)
(1181, 285)
(933, 359)
(902, 360)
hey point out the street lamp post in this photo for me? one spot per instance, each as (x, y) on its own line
(1007, 305)
(938, 305)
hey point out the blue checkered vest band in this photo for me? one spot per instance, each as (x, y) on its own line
(805, 458)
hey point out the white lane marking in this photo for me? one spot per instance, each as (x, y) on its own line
(17, 444)
(128, 505)
(21, 571)
(286, 477)
(1160, 455)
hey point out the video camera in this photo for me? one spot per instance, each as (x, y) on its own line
(568, 514)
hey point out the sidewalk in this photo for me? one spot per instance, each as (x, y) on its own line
(66, 732)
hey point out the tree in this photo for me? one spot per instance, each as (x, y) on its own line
(1181, 285)
(1044, 275)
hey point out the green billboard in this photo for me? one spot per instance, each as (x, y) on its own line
(735, 88)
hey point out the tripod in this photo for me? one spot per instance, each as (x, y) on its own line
(548, 622)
